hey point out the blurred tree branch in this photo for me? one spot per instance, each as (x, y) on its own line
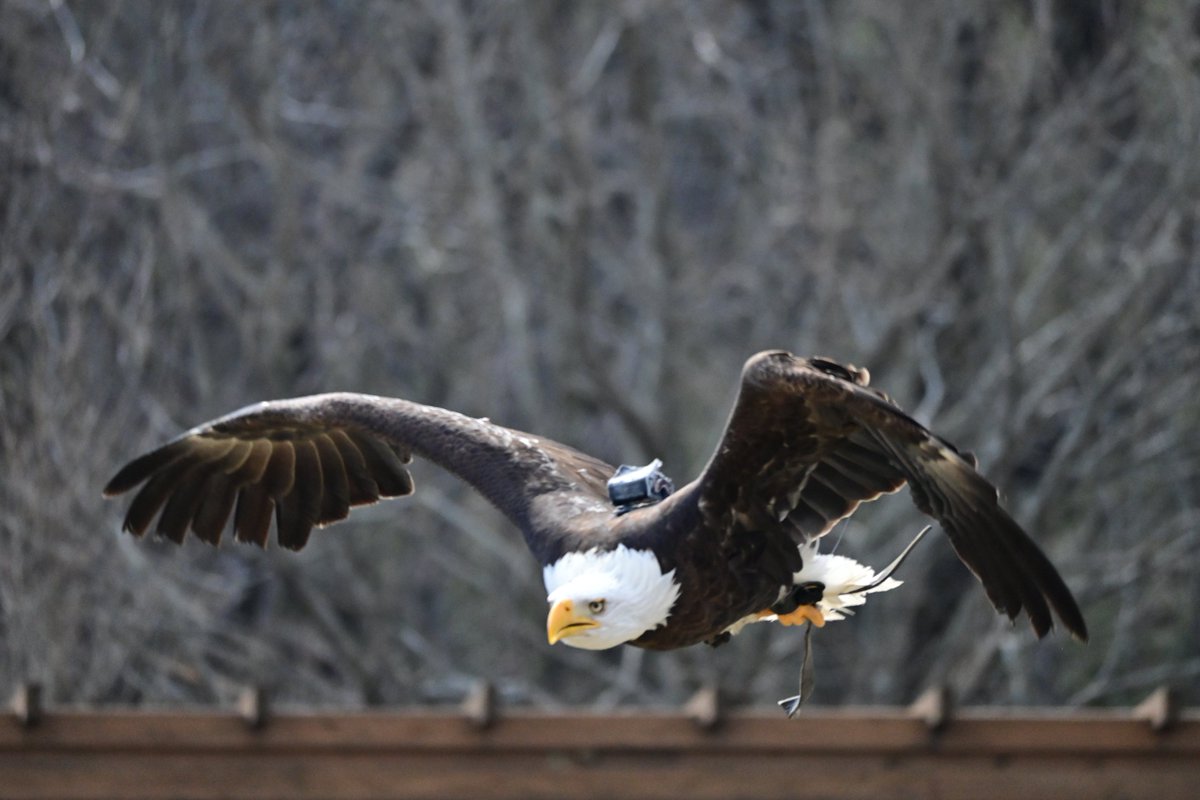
(579, 219)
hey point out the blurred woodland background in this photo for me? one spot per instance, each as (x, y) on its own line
(579, 219)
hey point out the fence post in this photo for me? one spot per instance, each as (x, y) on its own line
(26, 704)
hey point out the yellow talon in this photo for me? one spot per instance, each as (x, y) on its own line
(801, 615)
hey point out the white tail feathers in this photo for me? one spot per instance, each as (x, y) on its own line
(846, 581)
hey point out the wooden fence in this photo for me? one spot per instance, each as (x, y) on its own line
(697, 752)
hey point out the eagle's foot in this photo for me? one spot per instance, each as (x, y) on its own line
(806, 594)
(801, 615)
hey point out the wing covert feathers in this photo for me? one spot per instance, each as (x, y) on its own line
(307, 462)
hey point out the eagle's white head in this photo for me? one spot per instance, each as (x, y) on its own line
(602, 599)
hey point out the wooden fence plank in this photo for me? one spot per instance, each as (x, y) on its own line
(565, 775)
(836, 754)
(886, 731)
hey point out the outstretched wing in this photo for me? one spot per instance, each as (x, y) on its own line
(807, 442)
(308, 461)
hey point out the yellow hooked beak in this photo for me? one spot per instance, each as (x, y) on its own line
(563, 621)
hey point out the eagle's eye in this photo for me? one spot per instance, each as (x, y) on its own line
(596, 606)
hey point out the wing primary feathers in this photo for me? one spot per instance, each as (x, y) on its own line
(1042, 574)
(363, 488)
(183, 488)
(1013, 570)
(143, 467)
(288, 523)
(252, 519)
(150, 498)
(220, 492)
(280, 474)
(335, 501)
(1029, 589)
(303, 503)
(217, 501)
(385, 466)
(985, 558)
(177, 515)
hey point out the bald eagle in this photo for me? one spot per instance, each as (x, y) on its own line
(625, 559)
